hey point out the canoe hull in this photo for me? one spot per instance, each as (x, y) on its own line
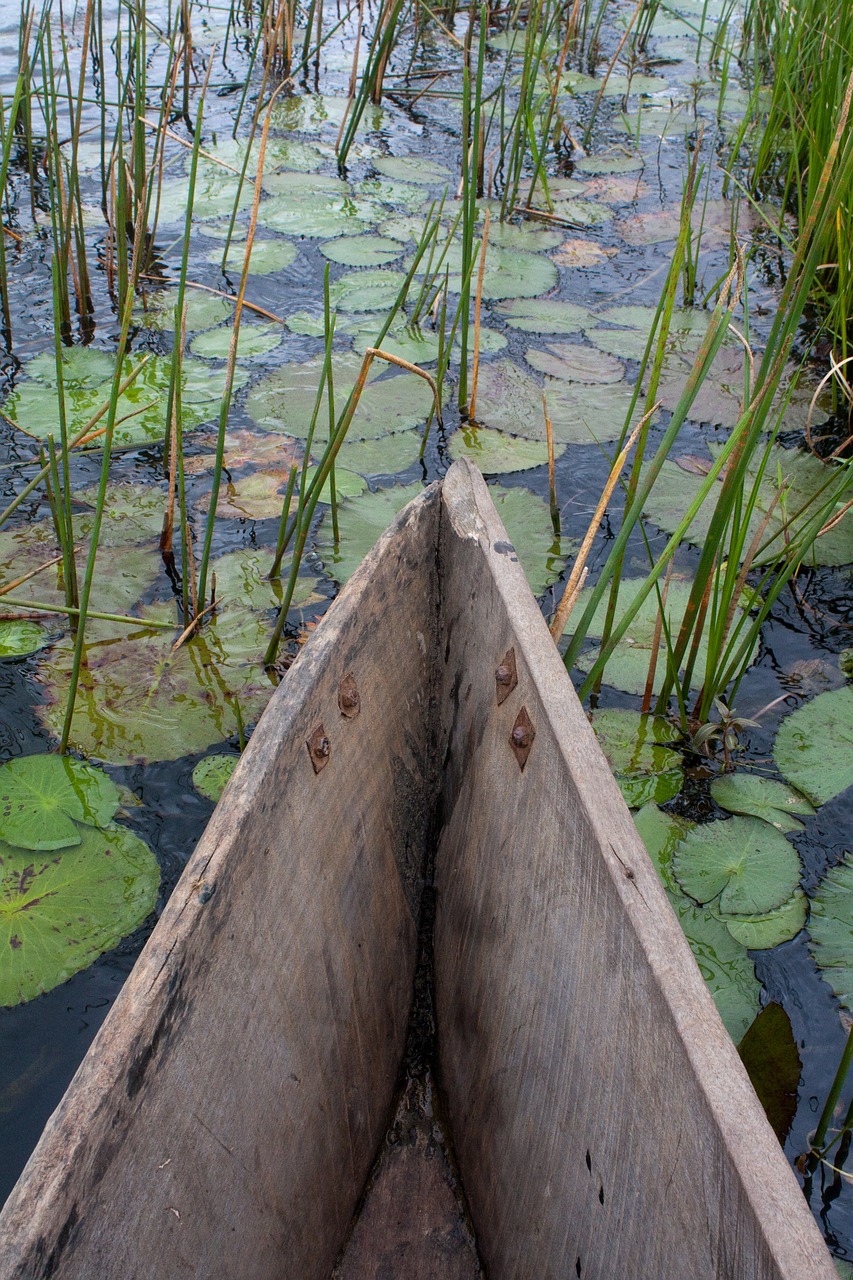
(227, 1115)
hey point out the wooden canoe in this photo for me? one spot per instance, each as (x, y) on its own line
(227, 1116)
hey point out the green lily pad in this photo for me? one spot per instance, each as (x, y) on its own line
(725, 965)
(628, 666)
(216, 193)
(743, 861)
(772, 1060)
(814, 746)
(137, 700)
(661, 833)
(407, 342)
(268, 256)
(510, 399)
(362, 520)
(387, 456)
(758, 797)
(42, 797)
(644, 767)
(617, 162)
(509, 273)
(529, 236)
(831, 930)
(284, 400)
(362, 251)
(760, 931)
(242, 578)
(418, 169)
(575, 362)
(19, 638)
(122, 574)
(203, 310)
(373, 290)
(543, 315)
(59, 911)
(496, 453)
(211, 775)
(319, 217)
(348, 484)
(676, 488)
(34, 405)
(254, 340)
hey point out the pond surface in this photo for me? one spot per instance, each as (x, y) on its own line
(568, 299)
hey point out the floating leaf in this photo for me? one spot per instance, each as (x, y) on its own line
(387, 456)
(509, 273)
(661, 833)
(618, 162)
(769, 1053)
(674, 490)
(582, 253)
(242, 578)
(362, 251)
(34, 405)
(814, 746)
(510, 399)
(530, 236)
(543, 315)
(157, 311)
(575, 362)
(284, 400)
(743, 861)
(713, 218)
(43, 796)
(267, 256)
(407, 342)
(419, 169)
(527, 520)
(59, 911)
(254, 340)
(211, 775)
(831, 929)
(643, 766)
(19, 638)
(319, 217)
(628, 665)
(137, 700)
(258, 496)
(348, 484)
(497, 453)
(725, 965)
(374, 290)
(758, 797)
(759, 931)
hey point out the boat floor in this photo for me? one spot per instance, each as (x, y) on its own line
(413, 1222)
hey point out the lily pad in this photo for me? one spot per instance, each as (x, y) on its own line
(661, 833)
(644, 767)
(242, 578)
(348, 484)
(203, 310)
(497, 453)
(268, 256)
(19, 638)
(814, 746)
(510, 399)
(362, 251)
(725, 965)
(211, 775)
(743, 861)
(254, 341)
(577, 252)
(758, 797)
(257, 496)
(760, 931)
(59, 911)
(628, 666)
(831, 930)
(615, 162)
(509, 273)
(387, 456)
(137, 700)
(42, 797)
(373, 290)
(34, 405)
(407, 342)
(418, 169)
(543, 315)
(284, 400)
(575, 362)
(772, 1060)
(319, 217)
(675, 489)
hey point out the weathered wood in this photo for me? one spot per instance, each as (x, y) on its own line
(225, 1120)
(603, 1122)
(226, 1117)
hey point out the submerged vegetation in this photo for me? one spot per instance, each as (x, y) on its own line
(266, 269)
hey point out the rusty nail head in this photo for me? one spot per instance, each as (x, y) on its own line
(521, 737)
(349, 699)
(506, 676)
(319, 748)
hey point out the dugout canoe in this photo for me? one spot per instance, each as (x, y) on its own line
(227, 1117)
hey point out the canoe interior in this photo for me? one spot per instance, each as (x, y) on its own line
(228, 1115)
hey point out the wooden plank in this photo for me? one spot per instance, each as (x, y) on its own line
(227, 1115)
(602, 1119)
